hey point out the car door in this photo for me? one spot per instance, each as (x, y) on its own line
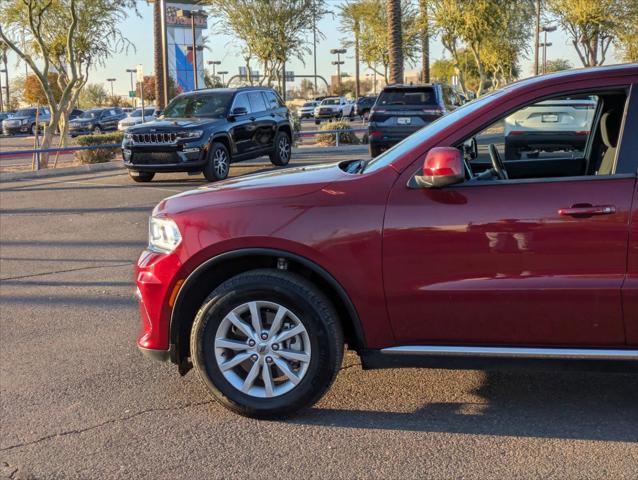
(242, 130)
(105, 118)
(264, 122)
(512, 262)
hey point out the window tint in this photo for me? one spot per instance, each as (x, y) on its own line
(412, 96)
(241, 100)
(272, 100)
(257, 103)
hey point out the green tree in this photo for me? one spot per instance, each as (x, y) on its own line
(352, 15)
(68, 36)
(593, 25)
(93, 95)
(395, 40)
(442, 70)
(558, 64)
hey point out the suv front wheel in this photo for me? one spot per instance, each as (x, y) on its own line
(141, 177)
(218, 163)
(267, 343)
(281, 154)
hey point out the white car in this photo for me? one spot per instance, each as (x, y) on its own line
(549, 126)
(135, 118)
(307, 110)
(329, 108)
(347, 111)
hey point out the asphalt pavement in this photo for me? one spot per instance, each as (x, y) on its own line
(78, 401)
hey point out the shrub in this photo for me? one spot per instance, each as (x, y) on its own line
(345, 137)
(99, 155)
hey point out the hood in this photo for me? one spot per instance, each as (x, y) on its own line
(259, 188)
(22, 117)
(171, 123)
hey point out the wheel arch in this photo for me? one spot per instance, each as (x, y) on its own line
(207, 276)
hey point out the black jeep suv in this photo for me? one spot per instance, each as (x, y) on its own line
(206, 130)
(401, 110)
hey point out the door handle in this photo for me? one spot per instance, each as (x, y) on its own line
(587, 210)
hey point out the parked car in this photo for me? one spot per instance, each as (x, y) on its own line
(549, 126)
(3, 117)
(75, 113)
(329, 109)
(307, 110)
(24, 121)
(205, 131)
(422, 257)
(96, 120)
(401, 110)
(347, 110)
(363, 105)
(135, 118)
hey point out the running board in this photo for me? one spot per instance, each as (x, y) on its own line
(499, 358)
(516, 352)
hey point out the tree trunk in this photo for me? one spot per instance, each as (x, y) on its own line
(158, 58)
(357, 86)
(425, 41)
(395, 40)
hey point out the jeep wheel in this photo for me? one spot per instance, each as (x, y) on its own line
(281, 154)
(97, 130)
(266, 343)
(218, 163)
(141, 177)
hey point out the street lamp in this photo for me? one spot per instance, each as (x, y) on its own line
(193, 14)
(111, 80)
(338, 52)
(213, 63)
(132, 71)
(225, 72)
(545, 29)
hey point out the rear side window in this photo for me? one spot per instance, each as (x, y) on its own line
(257, 103)
(411, 96)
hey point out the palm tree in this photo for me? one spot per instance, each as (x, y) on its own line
(425, 41)
(158, 57)
(351, 17)
(395, 47)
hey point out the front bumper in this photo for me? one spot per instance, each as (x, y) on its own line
(186, 157)
(14, 130)
(83, 130)
(388, 136)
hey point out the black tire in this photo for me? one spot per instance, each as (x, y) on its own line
(141, 177)
(511, 153)
(301, 298)
(280, 156)
(96, 130)
(317, 122)
(375, 150)
(218, 164)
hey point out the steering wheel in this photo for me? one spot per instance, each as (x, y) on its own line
(497, 163)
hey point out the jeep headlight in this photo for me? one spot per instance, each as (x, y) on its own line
(190, 134)
(163, 235)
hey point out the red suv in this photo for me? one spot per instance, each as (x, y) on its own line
(437, 253)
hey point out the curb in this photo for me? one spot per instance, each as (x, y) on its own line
(118, 164)
(60, 172)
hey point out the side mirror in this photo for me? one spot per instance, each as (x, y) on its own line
(239, 111)
(443, 166)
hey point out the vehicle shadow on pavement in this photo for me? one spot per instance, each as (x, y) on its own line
(582, 406)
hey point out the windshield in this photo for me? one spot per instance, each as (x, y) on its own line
(309, 104)
(421, 136)
(25, 112)
(411, 96)
(138, 113)
(90, 114)
(330, 101)
(214, 105)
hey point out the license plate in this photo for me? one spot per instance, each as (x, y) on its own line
(549, 118)
(404, 121)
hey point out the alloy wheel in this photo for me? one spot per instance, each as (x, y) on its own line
(284, 148)
(220, 163)
(262, 349)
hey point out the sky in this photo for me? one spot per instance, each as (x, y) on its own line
(139, 30)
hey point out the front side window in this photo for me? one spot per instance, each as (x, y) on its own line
(213, 105)
(241, 101)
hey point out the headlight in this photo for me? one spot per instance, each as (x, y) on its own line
(163, 235)
(190, 134)
(24, 122)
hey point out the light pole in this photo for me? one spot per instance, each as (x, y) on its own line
(213, 63)
(545, 29)
(225, 72)
(132, 71)
(111, 80)
(193, 14)
(338, 52)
